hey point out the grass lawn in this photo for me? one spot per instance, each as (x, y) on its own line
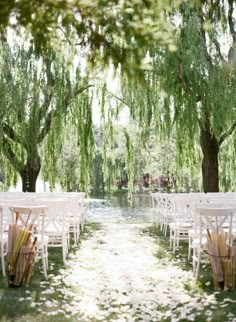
(43, 300)
(53, 300)
(224, 308)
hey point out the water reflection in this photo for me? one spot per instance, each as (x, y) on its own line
(120, 208)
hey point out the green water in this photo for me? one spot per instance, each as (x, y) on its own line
(120, 208)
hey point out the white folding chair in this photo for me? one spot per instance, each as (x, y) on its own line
(182, 222)
(56, 227)
(194, 232)
(211, 220)
(73, 216)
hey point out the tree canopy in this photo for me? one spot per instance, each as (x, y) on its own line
(108, 29)
(192, 90)
(185, 51)
(36, 94)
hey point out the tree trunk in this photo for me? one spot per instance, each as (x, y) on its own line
(210, 166)
(29, 176)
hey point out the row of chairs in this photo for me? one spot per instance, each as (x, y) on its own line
(189, 216)
(52, 217)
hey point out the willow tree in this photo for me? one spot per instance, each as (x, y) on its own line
(35, 95)
(192, 90)
(203, 81)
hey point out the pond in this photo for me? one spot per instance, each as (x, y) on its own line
(116, 208)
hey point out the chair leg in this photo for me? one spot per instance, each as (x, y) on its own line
(68, 241)
(42, 254)
(64, 253)
(189, 247)
(174, 242)
(198, 265)
(64, 249)
(77, 232)
(2, 260)
(166, 226)
(45, 263)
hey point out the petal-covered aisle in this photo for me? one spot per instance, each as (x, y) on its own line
(115, 276)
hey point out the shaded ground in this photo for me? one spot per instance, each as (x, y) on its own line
(121, 271)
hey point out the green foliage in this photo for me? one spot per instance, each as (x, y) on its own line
(38, 92)
(130, 160)
(69, 149)
(110, 29)
(191, 90)
(187, 84)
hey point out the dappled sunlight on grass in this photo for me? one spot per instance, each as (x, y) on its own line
(118, 272)
(43, 300)
(207, 305)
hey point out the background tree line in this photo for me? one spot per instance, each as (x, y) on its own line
(176, 67)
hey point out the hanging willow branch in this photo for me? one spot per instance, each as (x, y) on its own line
(7, 150)
(39, 91)
(226, 134)
(9, 131)
(130, 161)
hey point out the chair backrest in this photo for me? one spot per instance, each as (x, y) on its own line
(215, 220)
(6, 203)
(183, 210)
(30, 217)
(56, 214)
(203, 205)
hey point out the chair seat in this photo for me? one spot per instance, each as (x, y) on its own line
(181, 225)
(196, 243)
(39, 239)
(4, 238)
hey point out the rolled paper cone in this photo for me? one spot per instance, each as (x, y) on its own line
(31, 257)
(208, 235)
(222, 246)
(233, 257)
(21, 265)
(218, 267)
(221, 251)
(12, 233)
(216, 261)
(224, 254)
(211, 249)
(214, 272)
(19, 241)
(18, 227)
(230, 262)
(27, 242)
(30, 269)
(226, 275)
